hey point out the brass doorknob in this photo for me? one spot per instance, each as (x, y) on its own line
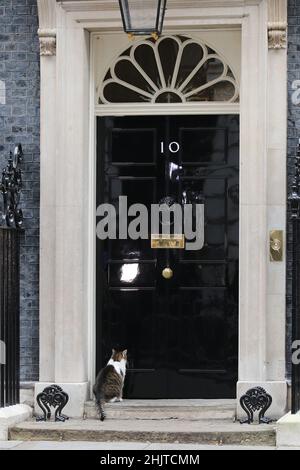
(167, 273)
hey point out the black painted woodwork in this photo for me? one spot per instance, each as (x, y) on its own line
(181, 334)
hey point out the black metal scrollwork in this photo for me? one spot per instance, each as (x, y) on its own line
(167, 201)
(256, 399)
(192, 197)
(165, 204)
(10, 187)
(54, 397)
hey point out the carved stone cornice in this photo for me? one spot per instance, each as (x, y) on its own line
(113, 5)
(277, 24)
(47, 27)
(47, 41)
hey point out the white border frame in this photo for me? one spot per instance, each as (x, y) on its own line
(263, 113)
(170, 109)
(157, 90)
(134, 109)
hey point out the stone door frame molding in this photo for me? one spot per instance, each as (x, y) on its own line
(67, 280)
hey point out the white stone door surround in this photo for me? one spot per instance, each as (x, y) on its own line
(67, 283)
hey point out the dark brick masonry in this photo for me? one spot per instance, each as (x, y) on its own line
(19, 122)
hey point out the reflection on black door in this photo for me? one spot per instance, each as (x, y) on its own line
(181, 334)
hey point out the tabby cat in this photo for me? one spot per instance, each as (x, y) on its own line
(110, 381)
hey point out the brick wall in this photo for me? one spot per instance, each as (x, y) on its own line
(19, 122)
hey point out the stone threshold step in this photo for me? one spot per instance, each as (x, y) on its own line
(166, 409)
(206, 433)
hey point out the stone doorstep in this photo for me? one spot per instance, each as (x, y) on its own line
(12, 415)
(288, 431)
(197, 432)
(166, 421)
(166, 409)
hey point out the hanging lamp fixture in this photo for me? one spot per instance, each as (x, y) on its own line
(143, 17)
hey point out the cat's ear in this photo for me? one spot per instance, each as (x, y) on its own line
(113, 352)
(125, 354)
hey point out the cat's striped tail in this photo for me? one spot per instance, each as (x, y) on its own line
(99, 406)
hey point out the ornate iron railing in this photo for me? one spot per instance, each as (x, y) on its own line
(9, 316)
(10, 233)
(10, 187)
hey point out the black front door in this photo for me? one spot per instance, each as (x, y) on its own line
(181, 333)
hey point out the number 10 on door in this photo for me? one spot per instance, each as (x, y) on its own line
(174, 147)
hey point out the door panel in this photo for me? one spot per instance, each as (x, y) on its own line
(181, 334)
(204, 146)
(144, 151)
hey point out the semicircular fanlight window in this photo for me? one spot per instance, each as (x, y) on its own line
(174, 69)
